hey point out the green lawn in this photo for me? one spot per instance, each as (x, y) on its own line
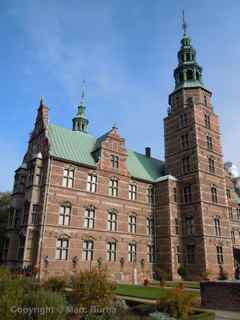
(152, 293)
(187, 284)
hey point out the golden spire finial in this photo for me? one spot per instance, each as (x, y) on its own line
(184, 24)
(83, 92)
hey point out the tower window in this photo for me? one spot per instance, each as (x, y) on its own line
(180, 76)
(211, 165)
(185, 141)
(207, 121)
(150, 195)
(214, 194)
(189, 75)
(205, 101)
(89, 218)
(150, 226)
(176, 225)
(209, 143)
(220, 255)
(132, 192)
(132, 249)
(230, 212)
(115, 161)
(92, 183)
(188, 56)
(132, 224)
(112, 221)
(233, 236)
(217, 226)
(187, 193)
(113, 187)
(183, 120)
(175, 194)
(87, 253)
(111, 251)
(191, 254)
(189, 225)
(68, 175)
(185, 165)
(62, 249)
(197, 76)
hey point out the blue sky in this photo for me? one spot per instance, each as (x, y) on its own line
(126, 51)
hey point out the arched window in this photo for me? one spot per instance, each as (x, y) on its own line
(214, 194)
(217, 226)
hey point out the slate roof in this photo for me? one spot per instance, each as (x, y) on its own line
(80, 147)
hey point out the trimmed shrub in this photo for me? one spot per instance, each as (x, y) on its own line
(55, 284)
(177, 303)
(183, 272)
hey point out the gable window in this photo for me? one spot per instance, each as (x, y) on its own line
(228, 193)
(149, 226)
(183, 120)
(132, 192)
(191, 254)
(68, 175)
(113, 187)
(89, 218)
(115, 161)
(62, 249)
(150, 253)
(217, 226)
(132, 224)
(87, 253)
(214, 194)
(209, 143)
(111, 251)
(220, 254)
(112, 221)
(187, 193)
(211, 165)
(92, 183)
(207, 121)
(64, 215)
(35, 214)
(189, 225)
(132, 251)
(186, 165)
(185, 141)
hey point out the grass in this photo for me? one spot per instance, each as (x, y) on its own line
(151, 293)
(187, 284)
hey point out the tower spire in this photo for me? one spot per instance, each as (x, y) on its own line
(80, 121)
(184, 24)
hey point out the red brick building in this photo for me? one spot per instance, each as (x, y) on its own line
(80, 201)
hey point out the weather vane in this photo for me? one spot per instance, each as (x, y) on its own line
(184, 24)
(83, 92)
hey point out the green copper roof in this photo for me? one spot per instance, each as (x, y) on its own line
(79, 147)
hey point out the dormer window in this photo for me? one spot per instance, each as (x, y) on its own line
(115, 161)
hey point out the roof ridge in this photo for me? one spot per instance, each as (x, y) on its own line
(142, 154)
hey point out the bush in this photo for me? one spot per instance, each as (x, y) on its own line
(55, 284)
(92, 289)
(182, 271)
(177, 303)
(223, 275)
(48, 305)
(5, 273)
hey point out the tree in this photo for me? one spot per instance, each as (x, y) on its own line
(5, 200)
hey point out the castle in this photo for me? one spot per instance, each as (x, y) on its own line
(81, 202)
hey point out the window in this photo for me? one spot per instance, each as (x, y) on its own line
(207, 121)
(132, 224)
(217, 226)
(132, 252)
(38, 175)
(150, 253)
(220, 255)
(113, 187)
(111, 251)
(183, 120)
(21, 245)
(185, 165)
(176, 226)
(178, 254)
(189, 225)
(89, 218)
(211, 165)
(233, 236)
(17, 218)
(132, 192)
(26, 212)
(228, 193)
(112, 221)
(62, 249)
(92, 183)
(150, 195)
(31, 176)
(189, 74)
(115, 161)
(187, 192)
(185, 141)
(214, 194)
(64, 215)
(205, 101)
(191, 254)
(5, 249)
(209, 143)
(68, 175)
(88, 247)
(35, 214)
(230, 212)
(11, 217)
(150, 226)
(175, 194)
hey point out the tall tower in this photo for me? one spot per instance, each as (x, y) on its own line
(194, 156)
(80, 121)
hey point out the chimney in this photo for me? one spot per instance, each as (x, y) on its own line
(148, 152)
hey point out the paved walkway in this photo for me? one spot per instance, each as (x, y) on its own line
(220, 315)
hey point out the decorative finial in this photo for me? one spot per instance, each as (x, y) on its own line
(83, 93)
(184, 24)
(114, 126)
(41, 101)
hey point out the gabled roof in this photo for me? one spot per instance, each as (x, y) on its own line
(80, 148)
